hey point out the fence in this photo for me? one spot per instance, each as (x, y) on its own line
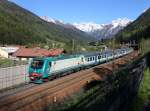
(11, 76)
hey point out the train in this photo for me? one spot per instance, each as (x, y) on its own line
(43, 69)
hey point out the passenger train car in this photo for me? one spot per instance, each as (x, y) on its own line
(47, 68)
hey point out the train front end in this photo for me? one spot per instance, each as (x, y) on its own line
(36, 70)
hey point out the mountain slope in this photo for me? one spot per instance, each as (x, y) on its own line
(137, 30)
(19, 26)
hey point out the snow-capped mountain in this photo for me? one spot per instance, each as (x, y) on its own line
(52, 20)
(121, 22)
(98, 31)
(88, 27)
(58, 22)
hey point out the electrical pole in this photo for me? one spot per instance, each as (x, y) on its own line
(73, 45)
(113, 46)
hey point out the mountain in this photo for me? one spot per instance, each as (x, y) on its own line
(100, 31)
(50, 20)
(138, 29)
(97, 31)
(20, 26)
(59, 22)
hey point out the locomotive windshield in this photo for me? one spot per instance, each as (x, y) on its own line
(37, 64)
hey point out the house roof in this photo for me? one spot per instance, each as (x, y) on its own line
(55, 52)
(37, 52)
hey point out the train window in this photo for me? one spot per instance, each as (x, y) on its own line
(82, 59)
(90, 58)
(50, 64)
(101, 56)
(93, 58)
(37, 64)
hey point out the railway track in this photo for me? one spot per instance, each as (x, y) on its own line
(38, 97)
(31, 85)
(39, 92)
(12, 91)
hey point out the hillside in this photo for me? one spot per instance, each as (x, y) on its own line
(137, 30)
(19, 26)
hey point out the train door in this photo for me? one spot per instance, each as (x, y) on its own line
(49, 67)
(82, 61)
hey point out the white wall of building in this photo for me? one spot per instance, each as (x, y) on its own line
(3, 53)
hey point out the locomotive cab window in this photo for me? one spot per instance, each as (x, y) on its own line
(37, 64)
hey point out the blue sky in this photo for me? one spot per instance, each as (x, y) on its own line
(98, 11)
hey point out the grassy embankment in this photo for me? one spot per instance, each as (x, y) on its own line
(5, 62)
(143, 93)
(144, 89)
(9, 63)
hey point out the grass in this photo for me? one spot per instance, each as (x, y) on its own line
(143, 93)
(5, 62)
(8, 62)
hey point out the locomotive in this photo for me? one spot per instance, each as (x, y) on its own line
(47, 68)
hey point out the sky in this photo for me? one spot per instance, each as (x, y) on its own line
(83, 11)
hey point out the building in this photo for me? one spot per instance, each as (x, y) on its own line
(7, 52)
(27, 53)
